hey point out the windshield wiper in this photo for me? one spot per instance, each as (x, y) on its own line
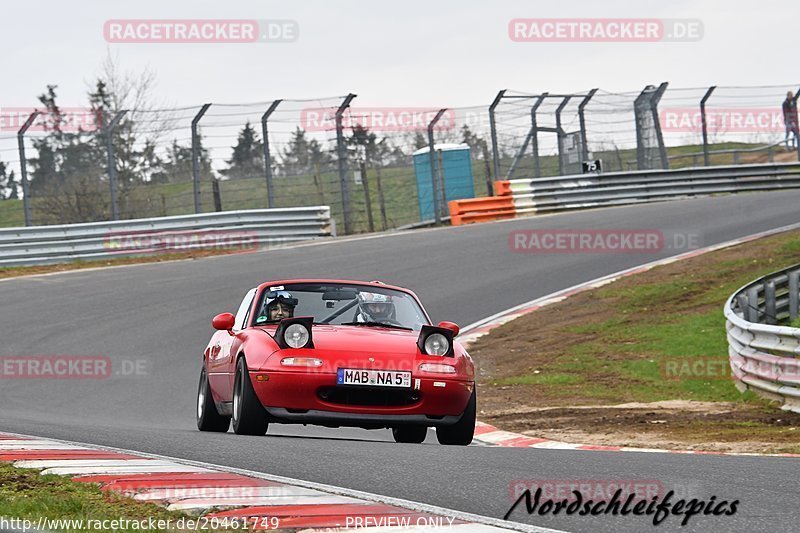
(376, 325)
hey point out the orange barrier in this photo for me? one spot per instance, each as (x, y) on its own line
(481, 209)
(502, 188)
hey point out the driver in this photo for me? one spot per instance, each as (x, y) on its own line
(279, 305)
(373, 307)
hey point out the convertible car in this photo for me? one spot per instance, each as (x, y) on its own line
(336, 353)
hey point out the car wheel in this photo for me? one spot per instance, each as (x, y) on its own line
(460, 433)
(208, 418)
(410, 434)
(249, 416)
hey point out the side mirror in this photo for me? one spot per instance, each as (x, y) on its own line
(452, 326)
(223, 322)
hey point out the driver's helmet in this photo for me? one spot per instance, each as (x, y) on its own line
(374, 307)
(284, 310)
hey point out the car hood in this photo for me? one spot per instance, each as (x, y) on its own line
(375, 340)
(360, 347)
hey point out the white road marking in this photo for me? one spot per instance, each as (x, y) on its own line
(207, 503)
(198, 466)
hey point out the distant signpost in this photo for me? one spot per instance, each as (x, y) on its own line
(593, 167)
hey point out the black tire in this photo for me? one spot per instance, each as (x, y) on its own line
(410, 434)
(249, 416)
(208, 418)
(460, 433)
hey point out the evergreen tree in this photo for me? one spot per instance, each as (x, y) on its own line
(478, 146)
(420, 141)
(62, 155)
(302, 155)
(178, 164)
(247, 159)
(8, 185)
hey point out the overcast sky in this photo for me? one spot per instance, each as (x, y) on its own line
(410, 52)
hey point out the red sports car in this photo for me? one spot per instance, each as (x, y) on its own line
(336, 353)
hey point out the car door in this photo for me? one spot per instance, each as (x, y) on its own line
(221, 362)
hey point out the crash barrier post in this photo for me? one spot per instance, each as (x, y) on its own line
(230, 230)
(762, 349)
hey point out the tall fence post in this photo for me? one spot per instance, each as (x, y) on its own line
(537, 166)
(522, 149)
(365, 184)
(662, 150)
(434, 167)
(582, 121)
(23, 167)
(796, 140)
(560, 134)
(493, 131)
(216, 194)
(112, 163)
(196, 157)
(381, 199)
(642, 147)
(341, 155)
(267, 157)
(704, 123)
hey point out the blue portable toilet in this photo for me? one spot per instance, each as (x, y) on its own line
(456, 167)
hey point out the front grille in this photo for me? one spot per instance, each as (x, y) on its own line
(368, 396)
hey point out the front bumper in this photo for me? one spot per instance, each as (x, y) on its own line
(336, 419)
(298, 396)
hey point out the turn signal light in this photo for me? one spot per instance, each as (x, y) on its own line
(301, 361)
(437, 368)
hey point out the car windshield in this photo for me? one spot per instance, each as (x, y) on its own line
(340, 304)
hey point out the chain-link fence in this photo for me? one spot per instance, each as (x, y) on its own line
(656, 128)
(373, 166)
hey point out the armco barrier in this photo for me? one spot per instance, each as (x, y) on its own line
(763, 355)
(560, 193)
(242, 230)
(619, 188)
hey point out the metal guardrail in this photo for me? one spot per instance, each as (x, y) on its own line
(765, 356)
(246, 230)
(618, 188)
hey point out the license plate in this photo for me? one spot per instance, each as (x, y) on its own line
(373, 378)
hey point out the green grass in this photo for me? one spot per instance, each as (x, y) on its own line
(651, 328)
(25, 493)
(652, 337)
(540, 379)
(399, 185)
(644, 348)
(11, 214)
(617, 160)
